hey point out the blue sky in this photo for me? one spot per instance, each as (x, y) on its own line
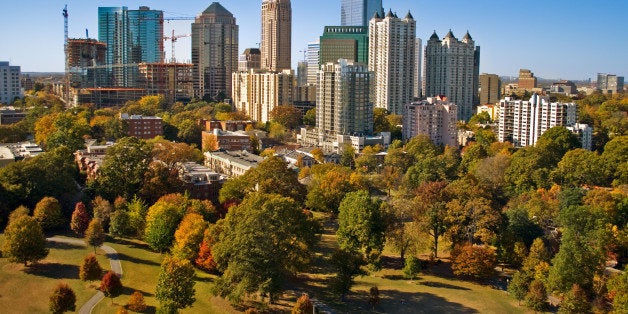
(555, 39)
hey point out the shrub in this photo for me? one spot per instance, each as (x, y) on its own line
(111, 285)
(412, 267)
(303, 305)
(474, 261)
(136, 302)
(62, 299)
(90, 269)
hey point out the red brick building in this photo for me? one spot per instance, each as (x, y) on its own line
(225, 140)
(142, 127)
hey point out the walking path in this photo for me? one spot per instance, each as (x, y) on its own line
(114, 261)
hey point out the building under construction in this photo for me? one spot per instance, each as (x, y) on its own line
(86, 58)
(173, 80)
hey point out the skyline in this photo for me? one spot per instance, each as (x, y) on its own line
(554, 40)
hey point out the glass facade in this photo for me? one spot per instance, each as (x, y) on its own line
(344, 42)
(359, 12)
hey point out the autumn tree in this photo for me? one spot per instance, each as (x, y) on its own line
(399, 226)
(90, 269)
(472, 221)
(205, 259)
(162, 221)
(250, 260)
(286, 115)
(330, 183)
(80, 219)
(360, 225)
(536, 298)
(136, 302)
(575, 301)
(175, 285)
(303, 305)
(189, 236)
(102, 209)
(24, 241)
(62, 299)
(618, 292)
(48, 213)
(374, 296)
(430, 211)
(95, 234)
(111, 285)
(347, 265)
(474, 261)
(20, 211)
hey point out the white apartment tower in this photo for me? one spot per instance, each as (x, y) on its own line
(452, 69)
(343, 99)
(10, 86)
(392, 59)
(523, 122)
(313, 60)
(418, 81)
(258, 92)
(435, 117)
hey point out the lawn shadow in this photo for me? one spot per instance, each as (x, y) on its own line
(131, 243)
(394, 301)
(54, 270)
(64, 246)
(435, 284)
(129, 291)
(135, 260)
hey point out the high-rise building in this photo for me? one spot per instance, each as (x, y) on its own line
(435, 117)
(392, 59)
(343, 99)
(490, 89)
(172, 80)
(522, 122)
(526, 80)
(10, 86)
(418, 72)
(258, 92)
(313, 61)
(85, 60)
(132, 36)
(214, 52)
(452, 69)
(249, 60)
(610, 83)
(359, 12)
(344, 42)
(302, 73)
(276, 44)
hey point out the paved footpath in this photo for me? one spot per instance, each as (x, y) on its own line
(114, 261)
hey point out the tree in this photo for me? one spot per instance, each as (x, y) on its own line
(250, 260)
(80, 219)
(412, 267)
(90, 269)
(24, 241)
(618, 292)
(95, 234)
(474, 261)
(162, 221)
(205, 259)
(286, 115)
(62, 299)
(472, 221)
(615, 156)
(48, 213)
(136, 302)
(137, 216)
(518, 286)
(102, 210)
(360, 225)
(328, 187)
(347, 265)
(111, 285)
(536, 298)
(309, 118)
(555, 143)
(399, 226)
(120, 225)
(581, 167)
(20, 211)
(575, 301)
(175, 286)
(430, 211)
(303, 305)
(189, 236)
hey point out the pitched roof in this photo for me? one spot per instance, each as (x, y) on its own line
(434, 36)
(409, 16)
(218, 9)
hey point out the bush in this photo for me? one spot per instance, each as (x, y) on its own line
(412, 267)
(474, 261)
(536, 298)
(120, 224)
(303, 305)
(62, 299)
(111, 285)
(90, 269)
(136, 302)
(48, 213)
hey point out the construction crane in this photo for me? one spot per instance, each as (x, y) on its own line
(66, 52)
(173, 39)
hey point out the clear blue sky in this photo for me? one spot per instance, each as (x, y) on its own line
(555, 39)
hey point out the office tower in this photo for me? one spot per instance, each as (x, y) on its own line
(392, 59)
(526, 79)
(85, 60)
(452, 69)
(435, 117)
(490, 89)
(276, 41)
(522, 122)
(214, 52)
(132, 36)
(564, 87)
(359, 12)
(258, 92)
(249, 60)
(343, 99)
(313, 61)
(10, 86)
(344, 42)
(302, 73)
(610, 83)
(418, 72)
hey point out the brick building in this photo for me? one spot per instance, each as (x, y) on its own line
(142, 127)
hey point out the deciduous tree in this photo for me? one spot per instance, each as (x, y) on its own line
(24, 241)
(136, 302)
(162, 221)
(48, 213)
(80, 219)
(111, 285)
(575, 301)
(348, 266)
(303, 305)
(189, 236)
(62, 299)
(474, 261)
(175, 286)
(360, 225)
(536, 298)
(102, 210)
(90, 269)
(95, 234)
(412, 267)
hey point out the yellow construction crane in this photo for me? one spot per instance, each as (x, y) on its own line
(173, 39)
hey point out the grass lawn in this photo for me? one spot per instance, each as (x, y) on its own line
(27, 289)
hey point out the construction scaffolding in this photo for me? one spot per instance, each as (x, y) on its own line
(85, 59)
(173, 80)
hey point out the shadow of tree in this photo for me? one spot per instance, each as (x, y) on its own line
(135, 260)
(131, 243)
(435, 284)
(54, 270)
(393, 301)
(64, 246)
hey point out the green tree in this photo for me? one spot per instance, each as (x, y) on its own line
(430, 211)
(528, 170)
(575, 301)
(175, 286)
(24, 241)
(536, 298)
(120, 225)
(137, 216)
(95, 234)
(250, 260)
(555, 143)
(62, 299)
(581, 167)
(48, 213)
(80, 219)
(412, 267)
(360, 225)
(348, 266)
(189, 236)
(618, 292)
(518, 286)
(162, 221)
(309, 118)
(615, 157)
(90, 269)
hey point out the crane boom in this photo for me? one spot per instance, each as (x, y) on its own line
(65, 50)
(173, 40)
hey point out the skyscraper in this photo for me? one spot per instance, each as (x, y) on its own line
(249, 59)
(214, 52)
(418, 79)
(490, 89)
(452, 69)
(343, 102)
(344, 42)
(392, 58)
(132, 36)
(313, 61)
(258, 92)
(359, 12)
(276, 41)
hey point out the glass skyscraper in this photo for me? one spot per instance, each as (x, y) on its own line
(359, 12)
